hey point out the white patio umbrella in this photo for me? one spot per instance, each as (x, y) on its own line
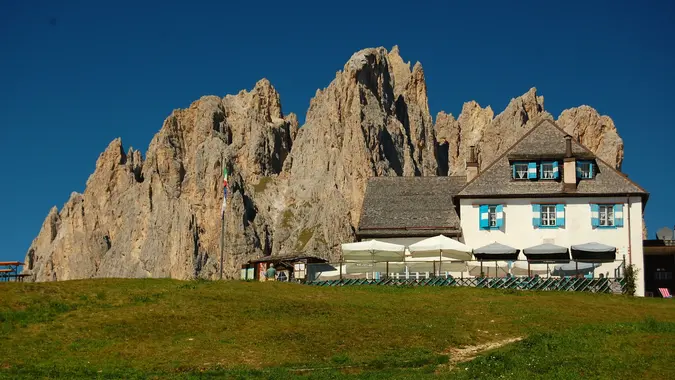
(441, 246)
(373, 250)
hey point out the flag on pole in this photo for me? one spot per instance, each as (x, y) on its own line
(222, 209)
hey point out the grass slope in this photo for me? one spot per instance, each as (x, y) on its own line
(177, 329)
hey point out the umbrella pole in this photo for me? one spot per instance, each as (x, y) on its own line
(481, 268)
(405, 267)
(528, 269)
(440, 261)
(496, 270)
(576, 263)
(387, 270)
(547, 271)
(372, 259)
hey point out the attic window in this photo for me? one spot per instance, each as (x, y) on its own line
(520, 170)
(584, 169)
(549, 170)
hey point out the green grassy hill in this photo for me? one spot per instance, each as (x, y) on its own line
(177, 329)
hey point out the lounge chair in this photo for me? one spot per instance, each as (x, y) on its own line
(665, 293)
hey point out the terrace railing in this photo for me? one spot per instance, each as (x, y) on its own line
(572, 284)
(607, 278)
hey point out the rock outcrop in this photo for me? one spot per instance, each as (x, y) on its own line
(491, 135)
(160, 217)
(291, 189)
(372, 120)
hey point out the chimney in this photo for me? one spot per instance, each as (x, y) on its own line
(471, 165)
(569, 167)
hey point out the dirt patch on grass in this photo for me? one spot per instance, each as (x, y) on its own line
(464, 354)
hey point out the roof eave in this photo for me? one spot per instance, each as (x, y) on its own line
(643, 195)
(406, 232)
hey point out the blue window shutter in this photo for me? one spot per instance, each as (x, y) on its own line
(595, 215)
(532, 170)
(590, 169)
(500, 216)
(618, 215)
(555, 170)
(513, 167)
(560, 215)
(536, 215)
(483, 216)
(579, 174)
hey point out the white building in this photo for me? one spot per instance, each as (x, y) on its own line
(546, 188)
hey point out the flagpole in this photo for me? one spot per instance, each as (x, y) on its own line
(222, 243)
(222, 220)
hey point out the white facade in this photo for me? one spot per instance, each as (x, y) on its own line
(518, 230)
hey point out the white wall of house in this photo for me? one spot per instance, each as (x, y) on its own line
(518, 230)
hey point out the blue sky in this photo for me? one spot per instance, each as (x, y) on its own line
(77, 74)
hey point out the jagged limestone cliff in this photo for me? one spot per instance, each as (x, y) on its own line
(291, 189)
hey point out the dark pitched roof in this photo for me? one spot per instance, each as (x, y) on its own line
(409, 206)
(291, 258)
(547, 140)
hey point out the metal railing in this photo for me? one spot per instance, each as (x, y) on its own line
(574, 284)
(520, 274)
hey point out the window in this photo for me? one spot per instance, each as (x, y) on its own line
(585, 169)
(548, 215)
(520, 170)
(547, 170)
(606, 215)
(551, 215)
(492, 216)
